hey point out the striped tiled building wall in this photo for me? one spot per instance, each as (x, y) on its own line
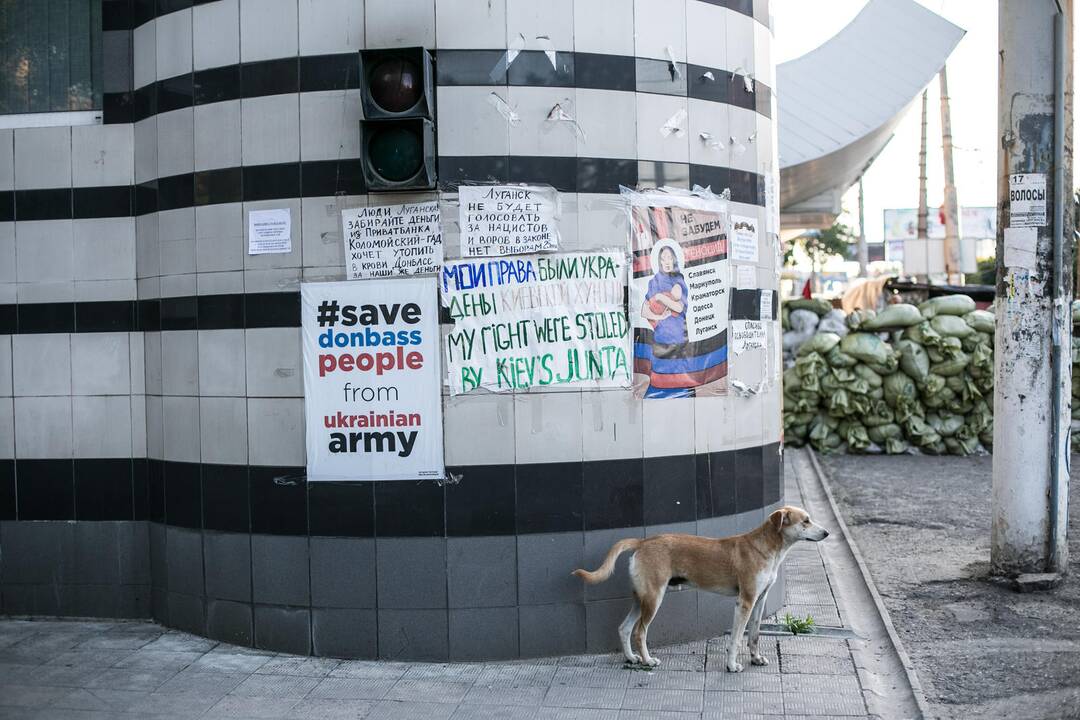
(150, 376)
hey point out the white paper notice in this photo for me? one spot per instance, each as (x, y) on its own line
(766, 304)
(744, 239)
(1027, 200)
(745, 277)
(747, 335)
(1020, 247)
(507, 220)
(389, 240)
(269, 231)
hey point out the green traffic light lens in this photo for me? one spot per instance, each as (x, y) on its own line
(396, 153)
(395, 84)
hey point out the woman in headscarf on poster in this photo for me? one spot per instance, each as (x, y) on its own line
(665, 302)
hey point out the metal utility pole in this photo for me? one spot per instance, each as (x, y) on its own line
(1034, 260)
(922, 174)
(864, 256)
(952, 240)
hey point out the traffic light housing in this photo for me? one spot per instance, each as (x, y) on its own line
(397, 134)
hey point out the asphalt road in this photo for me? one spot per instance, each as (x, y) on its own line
(980, 649)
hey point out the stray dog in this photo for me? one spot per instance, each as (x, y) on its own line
(744, 565)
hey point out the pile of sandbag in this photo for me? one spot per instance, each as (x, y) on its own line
(907, 378)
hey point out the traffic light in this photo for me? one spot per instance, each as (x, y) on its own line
(397, 134)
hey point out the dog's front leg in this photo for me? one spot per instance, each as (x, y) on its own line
(755, 628)
(743, 606)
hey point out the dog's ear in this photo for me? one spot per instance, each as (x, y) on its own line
(779, 519)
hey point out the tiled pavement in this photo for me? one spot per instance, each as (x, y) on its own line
(74, 669)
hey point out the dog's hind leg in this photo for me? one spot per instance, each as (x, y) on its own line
(650, 604)
(625, 630)
(755, 628)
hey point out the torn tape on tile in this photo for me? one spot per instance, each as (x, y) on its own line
(549, 49)
(708, 75)
(675, 124)
(559, 114)
(748, 82)
(503, 108)
(711, 141)
(737, 148)
(513, 49)
(676, 73)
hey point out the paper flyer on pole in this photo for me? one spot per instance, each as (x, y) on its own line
(679, 294)
(537, 321)
(372, 392)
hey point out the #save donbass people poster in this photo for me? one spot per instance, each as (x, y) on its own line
(679, 294)
(371, 380)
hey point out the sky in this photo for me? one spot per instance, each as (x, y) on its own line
(893, 180)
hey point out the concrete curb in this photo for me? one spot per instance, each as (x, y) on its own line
(914, 686)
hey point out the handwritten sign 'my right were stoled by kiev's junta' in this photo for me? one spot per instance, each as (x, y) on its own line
(537, 321)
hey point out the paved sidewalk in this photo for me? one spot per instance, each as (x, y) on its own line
(79, 669)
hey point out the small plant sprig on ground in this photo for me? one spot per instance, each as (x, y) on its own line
(798, 626)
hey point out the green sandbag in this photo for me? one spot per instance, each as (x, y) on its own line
(914, 361)
(854, 434)
(982, 362)
(923, 334)
(880, 433)
(864, 372)
(980, 320)
(901, 315)
(898, 385)
(895, 446)
(785, 316)
(938, 399)
(792, 380)
(947, 305)
(820, 307)
(907, 408)
(959, 406)
(951, 367)
(949, 425)
(838, 403)
(932, 384)
(820, 343)
(987, 439)
(866, 347)
(856, 318)
(976, 339)
(838, 358)
(879, 394)
(888, 367)
(935, 448)
(961, 446)
(951, 326)
(920, 433)
(878, 414)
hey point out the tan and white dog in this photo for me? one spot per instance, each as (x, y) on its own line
(743, 565)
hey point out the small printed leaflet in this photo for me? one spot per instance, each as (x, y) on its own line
(1020, 247)
(269, 231)
(499, 220)
(1027, 200)
(744, 239)
(392, 240)
(537, 321)
(766, 305)
(679, 294)
(747, 335)
(745, 277)
(372, 395)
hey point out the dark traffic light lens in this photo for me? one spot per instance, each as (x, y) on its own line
(396, 153)
(396, 85)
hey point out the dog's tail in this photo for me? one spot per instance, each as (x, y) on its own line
(603, 572)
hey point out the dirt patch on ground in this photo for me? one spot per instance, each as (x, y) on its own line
(981, 650)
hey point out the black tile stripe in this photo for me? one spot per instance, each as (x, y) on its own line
(341, 71)
(320, 178)
(483, 500)
(746, 304)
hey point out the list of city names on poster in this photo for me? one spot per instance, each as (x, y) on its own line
(392, 240)
(537, 321)
(498, 220)
(371, 380)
